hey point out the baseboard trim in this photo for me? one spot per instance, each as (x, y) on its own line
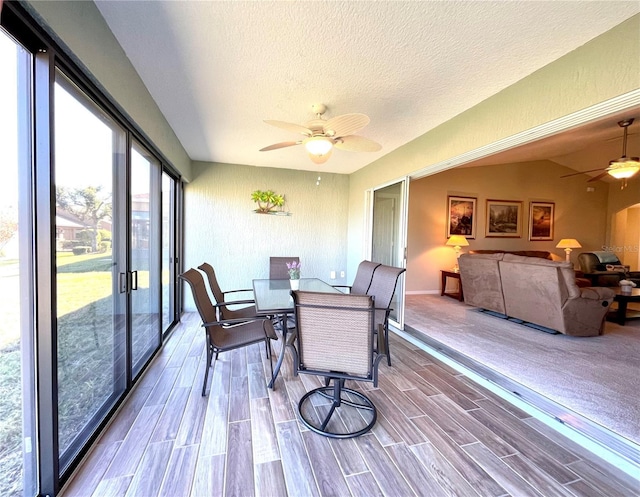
(609, 446)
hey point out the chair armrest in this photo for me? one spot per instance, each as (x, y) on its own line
(234, 302)
(597, 293)
(222, 322)
(236, 291)
(342, 286)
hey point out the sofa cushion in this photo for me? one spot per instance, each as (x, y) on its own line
(567, 273)
(480, 279)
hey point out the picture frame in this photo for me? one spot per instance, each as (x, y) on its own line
(504, 219)
(541, 220)
(461, 216)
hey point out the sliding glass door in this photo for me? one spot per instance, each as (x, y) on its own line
(169, 257)
(388, 237)
(17, 411)
(89, 148)
(108, 263)
(144, 236)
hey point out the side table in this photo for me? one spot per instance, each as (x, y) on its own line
(443, 284)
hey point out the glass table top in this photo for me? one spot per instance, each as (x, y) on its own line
(274, 296)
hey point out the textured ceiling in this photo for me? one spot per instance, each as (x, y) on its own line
(218, 69)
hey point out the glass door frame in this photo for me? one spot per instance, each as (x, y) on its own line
(402, 238)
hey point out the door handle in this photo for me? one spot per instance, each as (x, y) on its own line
(122, 282)
(134, 280)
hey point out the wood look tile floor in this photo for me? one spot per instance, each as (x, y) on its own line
(437, 434)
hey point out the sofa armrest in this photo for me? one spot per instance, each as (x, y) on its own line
(597, 293)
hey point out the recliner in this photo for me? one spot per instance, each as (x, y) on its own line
(605, 269)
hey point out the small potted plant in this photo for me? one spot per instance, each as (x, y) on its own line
(293, 268)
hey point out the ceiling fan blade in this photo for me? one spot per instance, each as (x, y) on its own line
(599, 176)
(346, 124)
(276, 146)
(294, 128)
(355, 143)
(582, 172)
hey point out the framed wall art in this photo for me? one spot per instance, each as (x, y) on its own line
(504, 219)
(461, 216)
(541, 220)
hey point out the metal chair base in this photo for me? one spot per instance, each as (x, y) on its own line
(335, 394)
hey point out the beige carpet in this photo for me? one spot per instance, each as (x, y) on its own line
(596, 377)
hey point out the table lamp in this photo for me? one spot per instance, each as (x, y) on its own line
(457, 241)
(567, 244)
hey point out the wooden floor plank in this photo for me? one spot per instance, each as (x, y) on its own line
(364, 485)
(329, 477)
(148, 478)
(208, 479)
(295, 462)
(240, 481)
(264, 439)
(270, 479)
(169, 423)
(180, 471)
(387, 475)
(499, 471)
(132, 448)
(459, 459)
(243, 438)
(420, 480)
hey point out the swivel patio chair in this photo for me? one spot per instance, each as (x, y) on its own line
(383, 286)
(335, 341)
(248, 312)
(222, 337)
(362, 281)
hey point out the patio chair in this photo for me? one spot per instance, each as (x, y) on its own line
(278, 267)
(248, 312)
(383, 286)
(220, 336)
(335, 341)
(362, 281)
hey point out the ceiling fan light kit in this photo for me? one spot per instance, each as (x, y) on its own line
(318, 145)
(624, 167)
(322, 135)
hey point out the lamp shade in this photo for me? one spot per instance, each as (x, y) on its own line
(568, 243)
(457, 241)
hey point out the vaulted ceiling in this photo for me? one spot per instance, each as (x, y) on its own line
(218, 69)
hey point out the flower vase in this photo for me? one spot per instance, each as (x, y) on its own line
(295, 284)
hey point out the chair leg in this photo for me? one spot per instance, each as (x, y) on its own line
(206, 370)
(386, 343)
(273, 380)
(334, 393)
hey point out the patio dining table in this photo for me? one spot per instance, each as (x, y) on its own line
(273, 298)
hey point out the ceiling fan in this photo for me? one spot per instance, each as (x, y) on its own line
(622, 168)
(321, 135)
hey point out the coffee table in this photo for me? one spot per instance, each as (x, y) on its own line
(622, 314)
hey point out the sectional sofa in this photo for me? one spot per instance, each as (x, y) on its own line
(537, 291)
